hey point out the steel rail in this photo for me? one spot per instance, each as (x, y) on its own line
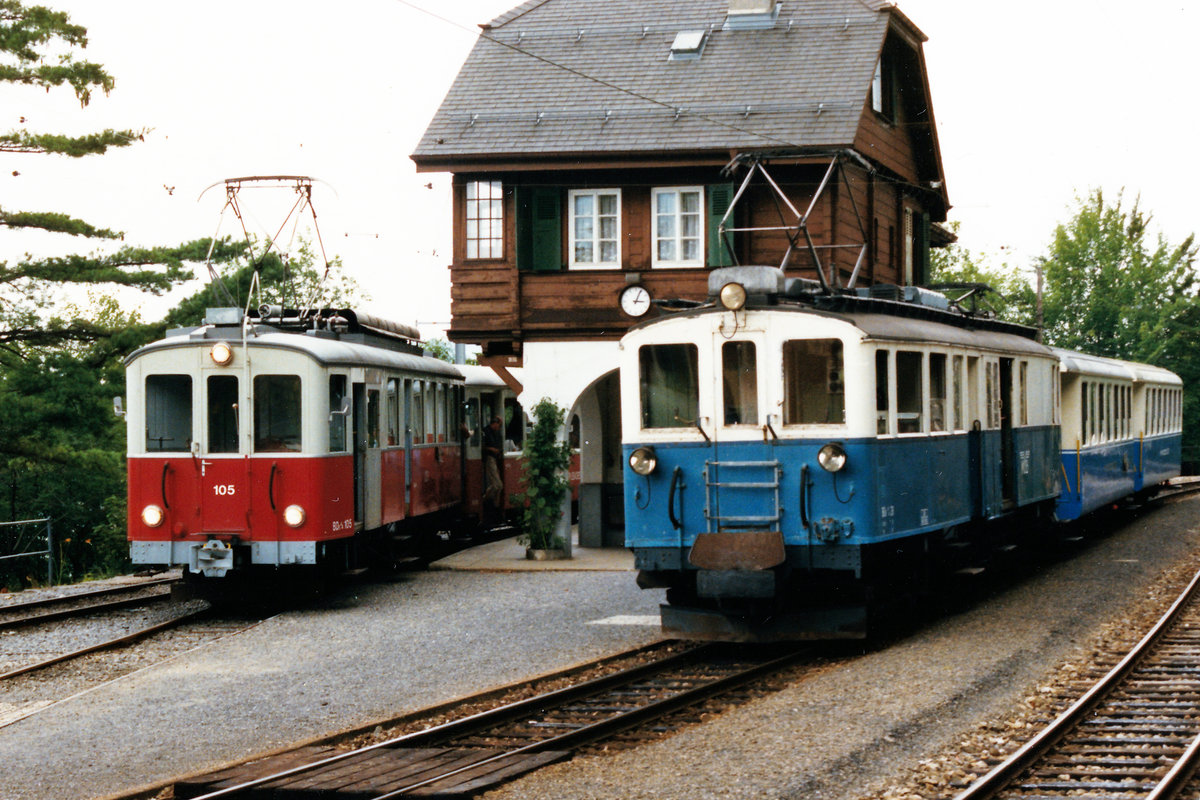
(996, 781)
(460, 727)
(51, 616)
(521, 709)
(102, 592)
(614, 724)
(119, 641)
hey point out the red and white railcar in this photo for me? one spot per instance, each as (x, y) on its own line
(288, 439)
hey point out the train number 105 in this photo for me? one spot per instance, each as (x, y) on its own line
(224, 490)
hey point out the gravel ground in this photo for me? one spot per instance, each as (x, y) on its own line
(372, 653)
(859, 730)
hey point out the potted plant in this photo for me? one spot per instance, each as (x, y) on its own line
(546, 461)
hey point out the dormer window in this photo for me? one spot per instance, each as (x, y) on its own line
(885, 87)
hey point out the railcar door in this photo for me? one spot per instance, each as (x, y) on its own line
(367, 489)
(1007, 478)
(224, 484)
(743, 474)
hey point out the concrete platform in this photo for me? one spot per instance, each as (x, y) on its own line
(508, 555)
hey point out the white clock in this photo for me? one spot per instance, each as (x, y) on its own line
(635, 300)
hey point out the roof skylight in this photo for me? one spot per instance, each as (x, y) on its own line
(688, 45)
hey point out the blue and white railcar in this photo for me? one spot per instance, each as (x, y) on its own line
(780, 443)
(1121, 431)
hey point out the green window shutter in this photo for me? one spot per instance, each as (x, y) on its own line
(539, 229)
(719, 197)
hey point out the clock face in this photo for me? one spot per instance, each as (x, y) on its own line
(635, 301)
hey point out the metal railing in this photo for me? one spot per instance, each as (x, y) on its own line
(19, 541)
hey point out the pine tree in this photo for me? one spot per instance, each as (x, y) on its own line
(39, 48)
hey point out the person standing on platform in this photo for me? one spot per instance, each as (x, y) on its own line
(493, 466)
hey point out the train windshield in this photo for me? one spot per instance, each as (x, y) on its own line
(813, 390)
(670, 385)
(740, 383)
(276, 413)
(168, 413)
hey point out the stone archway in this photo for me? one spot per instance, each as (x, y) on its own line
(582, 377)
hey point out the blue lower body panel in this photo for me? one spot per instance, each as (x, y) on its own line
(1097, 475)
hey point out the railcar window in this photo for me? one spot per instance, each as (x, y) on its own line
(337, 420)
(1084, 416)
(956, 381)
(881, 392)
(1023, 393)
(373, 418)
(937, 391)
(416, 411)
(277, 413)
(471, 410)
(739, 382)
(430, 409)
(439, 412)
(814, 391)
(393, 412)
(223, 414)
(670, 385)
(168, 413)
(993, 395)
(909, 395)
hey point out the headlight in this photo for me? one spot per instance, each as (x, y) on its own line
(643, 461)
(152, 516)
(733, 296)
(294, 516)
(222, 354)
(832, 457)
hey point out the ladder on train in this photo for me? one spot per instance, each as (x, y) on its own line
(742, 487)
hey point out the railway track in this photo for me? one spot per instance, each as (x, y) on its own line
(1134, 734)
(52, 609)
(471, 755)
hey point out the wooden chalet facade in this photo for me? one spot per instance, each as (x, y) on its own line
(597, 145)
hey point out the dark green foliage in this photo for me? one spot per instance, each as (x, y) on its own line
(1110, 286)
(73, 146)
(546, 459)
(55, 223)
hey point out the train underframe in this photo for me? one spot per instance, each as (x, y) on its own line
(839, 592)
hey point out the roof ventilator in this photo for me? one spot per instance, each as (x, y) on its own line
(752, 15)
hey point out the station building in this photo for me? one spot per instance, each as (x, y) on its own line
(607, 154)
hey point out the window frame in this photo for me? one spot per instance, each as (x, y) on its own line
(701, 235)
(495, 239)
(596, 240)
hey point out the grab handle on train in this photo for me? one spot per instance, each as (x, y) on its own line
(163, 484)
(804, 496)
(271, 486)
(675, 476)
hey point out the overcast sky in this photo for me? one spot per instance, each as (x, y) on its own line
(1035, 102)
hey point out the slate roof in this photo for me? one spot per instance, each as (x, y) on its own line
(802, 83)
